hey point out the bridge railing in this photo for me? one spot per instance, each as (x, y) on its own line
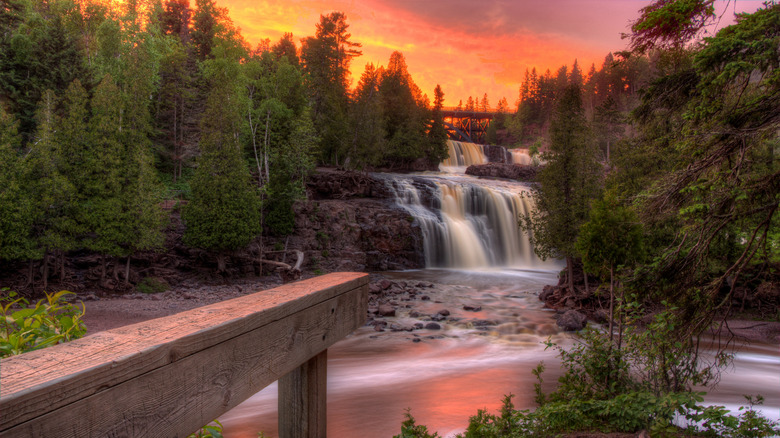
(167, 377)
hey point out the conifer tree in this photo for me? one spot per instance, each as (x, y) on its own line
(223, 214)
(51, 192)
(16, 242)
(567, 184)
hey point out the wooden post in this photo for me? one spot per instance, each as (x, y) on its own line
(303, 401)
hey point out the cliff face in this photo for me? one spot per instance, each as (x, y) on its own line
(351, 223)
(356, 235)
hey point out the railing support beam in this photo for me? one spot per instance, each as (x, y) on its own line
(302, 400)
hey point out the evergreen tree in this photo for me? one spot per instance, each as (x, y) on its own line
(16, 211)
(437, 134)
(51, 192)
(367, 120)
(568, 183)
(326, 58)
(223, 214)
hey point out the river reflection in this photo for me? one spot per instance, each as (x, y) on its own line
(450, 373)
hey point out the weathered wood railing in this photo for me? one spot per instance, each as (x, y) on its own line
(169, 376)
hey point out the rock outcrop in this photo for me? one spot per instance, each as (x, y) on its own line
(517, 172)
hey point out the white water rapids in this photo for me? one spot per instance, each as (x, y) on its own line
(474, 247)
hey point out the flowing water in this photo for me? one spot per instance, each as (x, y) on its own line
(475, 251)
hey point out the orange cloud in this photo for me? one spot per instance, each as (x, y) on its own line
(469, 48)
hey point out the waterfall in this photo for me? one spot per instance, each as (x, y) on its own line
(465, 225)
(462, 154)
(520, 156)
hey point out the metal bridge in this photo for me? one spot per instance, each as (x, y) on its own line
(468, 125)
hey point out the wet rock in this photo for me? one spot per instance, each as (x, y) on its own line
(418, 325)
(547, 292)
(425, 298)
(432, 326)
(444, 312)
(438, 317)
(385, 284)
(518, 172)
(572, 320)
(416, 340)
(470, 308)
(483, 323)
(415, 314)
(386, 310)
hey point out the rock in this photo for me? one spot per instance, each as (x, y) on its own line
(572, 320)
(601, 316)
(483, 323)
(379, 328)
(547, 292)
(570, 303)
(385, 284)
(418, 325)
(517, 172)
(438, 317)
(374, 288)
(415, 314)
(386, 310)
(432, 326)
(472, 308)
(444, 312)
(416, 340)
(425, 298)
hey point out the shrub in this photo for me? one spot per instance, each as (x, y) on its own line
(152, 285)
(24, 328)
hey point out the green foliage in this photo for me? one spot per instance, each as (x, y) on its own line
(567, 183)
(51, 321)
(611, 237)
(409, 429)
(152, 285)
(209, 431)
(224, 212)
(670, 23)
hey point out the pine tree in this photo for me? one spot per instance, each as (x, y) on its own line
(51, 192)
(223, 214)
(568, 183)
(16, 210)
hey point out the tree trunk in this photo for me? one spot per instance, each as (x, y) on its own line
(570, 270)
(267, 172)
(127, 271)
(221, 263)
(103, 269)
(62, 267)
(45, 271)
(611, 302)
(116, 270)
(30, 274)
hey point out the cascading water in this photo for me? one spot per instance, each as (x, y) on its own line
(462, 154)
(466, 225)
(521, 156)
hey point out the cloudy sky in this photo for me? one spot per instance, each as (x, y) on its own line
(470, 47)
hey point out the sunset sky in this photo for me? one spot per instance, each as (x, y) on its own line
(469, 47)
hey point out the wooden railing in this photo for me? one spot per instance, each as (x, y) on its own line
(169, 376)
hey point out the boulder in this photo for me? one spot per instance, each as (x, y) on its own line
(572, 321)
(386, 310)
(517, 172)
(432, 326)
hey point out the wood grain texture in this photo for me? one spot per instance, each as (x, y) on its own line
(303, 400)
(150, 378)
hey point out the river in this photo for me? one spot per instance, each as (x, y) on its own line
(445, 375)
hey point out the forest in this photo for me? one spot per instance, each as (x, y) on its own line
(109, 109)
